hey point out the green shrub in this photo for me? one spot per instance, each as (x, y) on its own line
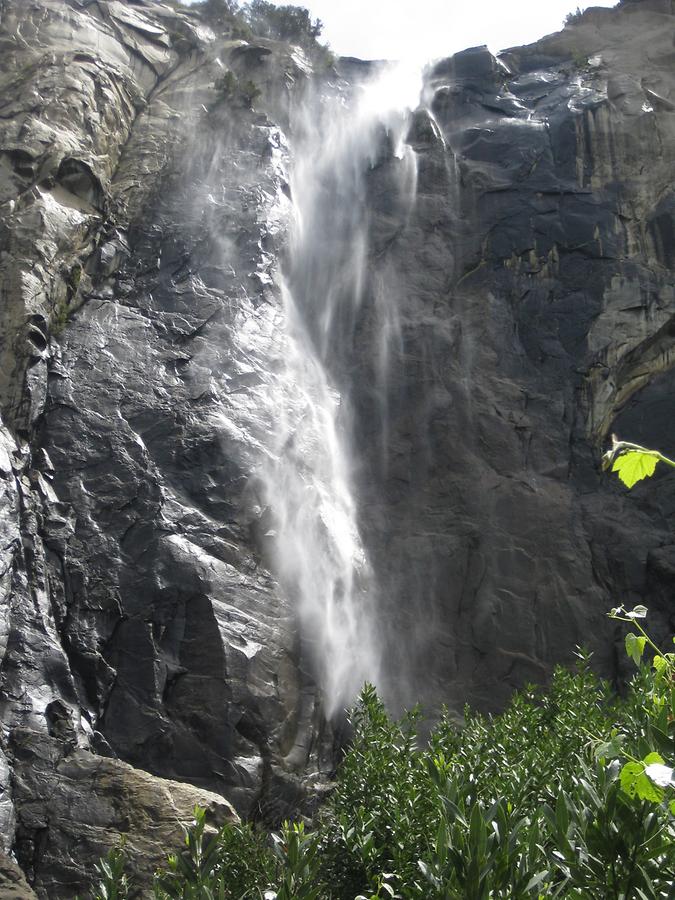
(562, 795)
(232, 863)
(113, 884)
(240, 93)
(573, 17)
(218, 13)
(286, 23)
(478, 811)
(226, 85)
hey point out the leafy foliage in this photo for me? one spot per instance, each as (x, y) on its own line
(219, 13)
(631, 462)
(573, 17)
(113, 884)
(634, 465)
(563, 795)
(230, 863)
(289, 23)
(649, 778)
(241, 93)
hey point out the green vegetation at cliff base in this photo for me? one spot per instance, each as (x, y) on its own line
(568, 793)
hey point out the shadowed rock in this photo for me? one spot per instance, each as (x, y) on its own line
(528, 290)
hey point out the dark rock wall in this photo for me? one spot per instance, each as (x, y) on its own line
(535, 298)
(143, 217)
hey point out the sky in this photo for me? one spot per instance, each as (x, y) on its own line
(426, 29)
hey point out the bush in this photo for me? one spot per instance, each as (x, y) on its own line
(218, 12)
(532, 803)
(241, 93)
(512, 806)
(286, 23)
(232, 863)
(225, 16)
(573, 17)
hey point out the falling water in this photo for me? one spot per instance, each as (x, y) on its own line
(319, 553)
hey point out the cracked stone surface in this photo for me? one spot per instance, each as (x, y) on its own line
(148, 657)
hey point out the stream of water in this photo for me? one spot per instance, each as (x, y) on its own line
(320, 554)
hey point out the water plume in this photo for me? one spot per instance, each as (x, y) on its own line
(319, 553)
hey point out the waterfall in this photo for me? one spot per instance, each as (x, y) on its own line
(319, 554)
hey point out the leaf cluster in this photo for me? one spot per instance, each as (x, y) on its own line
(513, 806)
(573, 17)
(646, 775)
(286, 23)
(239, 92)
(527, 804)
(220, 14)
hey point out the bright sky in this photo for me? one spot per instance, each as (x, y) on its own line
(424, 29)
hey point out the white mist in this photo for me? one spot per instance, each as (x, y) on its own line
(319, 554)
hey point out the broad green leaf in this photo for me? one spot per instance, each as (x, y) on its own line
(629, 776)
(633, 465)
(635, 645)
(671, 807)
(647, 790)
(653, 759)
(635, 782)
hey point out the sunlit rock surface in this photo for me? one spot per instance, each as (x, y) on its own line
(525, 289)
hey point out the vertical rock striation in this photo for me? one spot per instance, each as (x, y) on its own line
(533, 285)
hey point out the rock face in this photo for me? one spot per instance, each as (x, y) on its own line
(145, 207)
(136, 620)
(61, 830)
(534, 288)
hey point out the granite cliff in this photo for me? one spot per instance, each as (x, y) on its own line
(151, 653)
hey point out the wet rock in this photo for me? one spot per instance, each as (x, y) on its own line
(524, 280)
(137, 619)
(423, 134)
(522, 314)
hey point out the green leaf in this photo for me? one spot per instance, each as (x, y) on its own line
(635, 646)
(647, 790)
(635, 782)
(629, 776)
(671, 807)
(660, 663)
(633, 465)
(610, 749)
(652, 758)
(536, 880)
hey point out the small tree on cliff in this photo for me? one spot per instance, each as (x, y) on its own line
(218, 12)
(286, 23)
